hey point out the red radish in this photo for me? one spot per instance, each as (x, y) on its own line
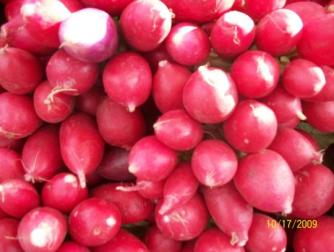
(157, 242)
(178, 130)
(41, 158)
(8, 233)
(94, 179)
(72, 247)
(123, 241)
(180, 186)
(13, 144)
(20, 71)
(117, 125)
(101, 228)
(214, 163)
(96, 43)
(210, 95)
(148, 189)
(114, 7)
(258, 66)
(144, 167)
(252, 127)
(215, 240)
(156, 56)
(149, 31)
(51, 106)
(70, 75)
(90, 100)
(311, 139)
(13, 8)
(266, 234)
(260, 8)
(188, 44)
(314, 192)
(184, 222)
(63, 192)
(231, 213)
(268, 169)
(127, 79)
(327, 92)
(307, 10)
(320, 115)
(232, 34)
(81, 158)
(2, 214)
(42, 230)
(10, 163)
(188, 246)
(133, 206)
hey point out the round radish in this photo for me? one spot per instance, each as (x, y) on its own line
(307, 10)
(157, 242)
(90, 100)
(114, 7)
(103, 225)
(327, 92)
(260, 8)
(8, 233)
(10, 163)
(268, 169)
(72, 247)
(320, 115)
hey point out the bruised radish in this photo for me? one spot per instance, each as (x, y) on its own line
(42, 230)
(215, 240)
(114, 7)
(184, 222)
(252, 127)
(63, 192)
(18, 197)
(117, 125)
(70, 246)
(90, 100)
(260, 8)
(95, 231)
(145, 32)
(144, 167)
(81, 145)
(10, 165)
(8, 233)
(231, 213)
(148, 189)
(69, 75)
(20, 71)
(320, 115)
(210, 95)
(127, 79)
(178, 130)
(96, 42)
(266, 234)
(157, 242)
(133, 206)
(41, 158)
(268, 169)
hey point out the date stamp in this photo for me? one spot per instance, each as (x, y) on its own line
(292, 223)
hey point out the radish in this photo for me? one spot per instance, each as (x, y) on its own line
(127, 79)
(13, 8)
(96, 43)
(41, 158)
(18, 197)
(314, 192)
(210, 95)
(327, 92)
(115, 7)
(188, 44)
(149, 31)
(307, 10)
(13, 144)
(8, 233)
(188, 246)
(67, 74)
(52, 106)
(148, 189)
(266, 234)
(157, 242)
(178, 130)
(10, 163)
(260, 8)
(180, 186)
(144, 167)
(133, 206)
(63, 192)
(90, 100)
(101, 228)
(72, 247)
(231, 213)
(81, 158)
(258, 66)
(157, 55)
(268, 169)
(117, 125)
(252, 127)
(320, 115)
(168, 83)
(42, 230)
(215, 240)
(184, 222)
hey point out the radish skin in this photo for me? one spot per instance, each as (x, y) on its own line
(10, 163)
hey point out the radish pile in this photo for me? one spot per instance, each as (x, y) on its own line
(166, 126)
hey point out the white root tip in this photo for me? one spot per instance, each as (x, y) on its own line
(132, 169)
(82, 179)
(301, 116)
(131, 108)
(235, 240)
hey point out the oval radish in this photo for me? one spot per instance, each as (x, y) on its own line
(70, 246)
(157, 242)
(10, 163)
(320, 115)
(8, 235)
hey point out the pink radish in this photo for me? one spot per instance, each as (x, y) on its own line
(100, 229)
(144, 167)
(157, 242)
(231, 213)
(70, 246)
(8, 233)
(184, 222)
(156, 56)
(18, 197)
(127, 79)
(327, 92)
(117, 125)
(214, 88)
(320, 115)
(63, 192)
(13, 144)
(147, 32)
(81, 158)
(10, 163)
(307, 10)
(148, 189)
(41, 158)
(13, 8)
(260, 8)
(90, 100)
(268, 169)
(114, 7)
(42, 230)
